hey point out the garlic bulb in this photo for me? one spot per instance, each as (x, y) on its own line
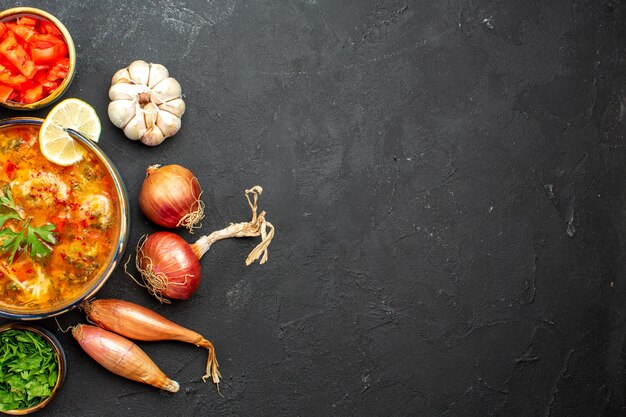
(146, 102)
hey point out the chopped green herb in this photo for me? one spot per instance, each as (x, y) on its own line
(35, 241)
(28, 369)
(7, 207)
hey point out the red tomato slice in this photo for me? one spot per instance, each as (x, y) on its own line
(15, 53)
(27, 20)
(43, 26)
(64, 62)
(43, 40)
(14, 81)
(60, 69)
(43, 78)
(49, 54)
(23, 32)
(3, 28)
(5, 93)
(8, 65)
(33, 94)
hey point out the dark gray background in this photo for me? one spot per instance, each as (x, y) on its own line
(447, 182)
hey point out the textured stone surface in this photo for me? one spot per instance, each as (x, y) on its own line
(447, 182)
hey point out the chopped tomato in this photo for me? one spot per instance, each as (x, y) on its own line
(44, 79)
(27, 21)
(33, 94)
(10, 169)
(43, 40)
(16, 53)
(15, 81)
(46, 27)
(23, 32)
(5, 93)
(60, 69)
(33, 59)
(59, 224)
(8, 65)
(49, 54)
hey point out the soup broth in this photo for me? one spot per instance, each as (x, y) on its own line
(80, 201)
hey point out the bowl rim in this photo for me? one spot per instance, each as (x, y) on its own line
(60, 90)
(61, 363)
(121, 241)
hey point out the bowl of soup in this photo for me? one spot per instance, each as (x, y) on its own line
(63, 230)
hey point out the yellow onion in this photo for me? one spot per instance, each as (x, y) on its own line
(170, 197)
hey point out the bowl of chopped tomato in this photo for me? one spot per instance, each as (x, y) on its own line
(37, 58)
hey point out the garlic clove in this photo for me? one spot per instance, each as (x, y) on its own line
(168, 123)
(136, 127)
(139, 72)
(121, 76)
(150, 112)
(121, 111)
(157, 74)
(153, 136)
(165, 90)
(176, 107)
(123, 91)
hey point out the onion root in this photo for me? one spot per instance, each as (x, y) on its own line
(155, 282)
(257, 226)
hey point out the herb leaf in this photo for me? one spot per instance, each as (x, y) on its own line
(10, 241)
(7, 198)
(7, 206)
(36, 241)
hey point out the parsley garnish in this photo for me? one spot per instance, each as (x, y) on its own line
(33, 240)
(28, 369)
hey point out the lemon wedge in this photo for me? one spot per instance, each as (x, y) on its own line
(54, 140)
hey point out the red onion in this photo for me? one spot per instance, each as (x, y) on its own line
(170, 197)
(170, 267)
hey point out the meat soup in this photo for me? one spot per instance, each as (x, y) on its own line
(76, 210)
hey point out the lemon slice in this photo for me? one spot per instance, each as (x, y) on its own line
(54, 140)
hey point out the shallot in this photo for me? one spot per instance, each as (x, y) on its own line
(140, 323)
(121, 356)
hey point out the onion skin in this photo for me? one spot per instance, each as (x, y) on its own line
(167, 255)
(170, 197)
(140, 323)
(121, 356)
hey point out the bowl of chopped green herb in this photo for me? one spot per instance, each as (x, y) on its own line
(32, 368)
